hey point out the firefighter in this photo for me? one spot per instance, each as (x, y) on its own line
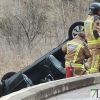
(76, 51)
(92, 30)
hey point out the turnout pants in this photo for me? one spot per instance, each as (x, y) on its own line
(94, 61)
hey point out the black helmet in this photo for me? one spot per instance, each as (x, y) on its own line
(93, 8)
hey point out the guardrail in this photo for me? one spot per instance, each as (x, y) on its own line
(49, 89)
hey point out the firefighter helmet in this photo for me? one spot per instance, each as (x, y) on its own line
(93, 8)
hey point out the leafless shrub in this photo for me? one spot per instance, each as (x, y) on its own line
(27, 25)
(31, 28)
(21, 32)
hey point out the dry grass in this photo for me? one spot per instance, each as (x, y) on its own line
(60, 13)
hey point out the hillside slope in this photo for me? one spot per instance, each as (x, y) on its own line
(52, 19)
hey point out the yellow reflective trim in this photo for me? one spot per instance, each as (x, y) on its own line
(76, 54)
(91, 27)
(67, 47)
(93, 42)
(74, 65)
(77, 51)
(98, 39)
(93, 70)
(96, 61)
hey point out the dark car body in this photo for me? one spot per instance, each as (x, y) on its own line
(43, 61)
(47, 68)
(38, 72)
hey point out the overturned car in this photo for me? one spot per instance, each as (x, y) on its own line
(47, 68)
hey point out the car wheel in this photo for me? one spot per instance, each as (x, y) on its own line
(7, 75)
(75, 28)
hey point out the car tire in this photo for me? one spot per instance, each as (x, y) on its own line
(75, 28)
(7, 75)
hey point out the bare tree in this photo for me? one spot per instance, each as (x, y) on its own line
(28, 25)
